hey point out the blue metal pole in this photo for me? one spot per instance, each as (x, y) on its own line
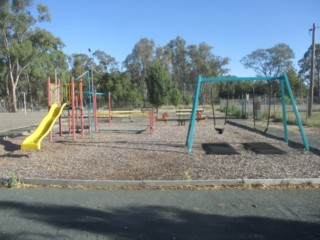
(78, 78)
(193, 116)
(193, 104)
(284, 112)
(295, 109)
(235, 79)
(90, 108)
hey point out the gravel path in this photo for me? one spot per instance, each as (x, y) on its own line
(158, 156)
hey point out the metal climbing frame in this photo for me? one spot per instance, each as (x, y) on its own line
(284, 83)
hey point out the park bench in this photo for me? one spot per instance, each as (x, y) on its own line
(184, 113)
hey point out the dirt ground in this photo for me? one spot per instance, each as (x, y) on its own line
(161, 155)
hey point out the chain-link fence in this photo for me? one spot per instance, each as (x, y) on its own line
(260, 105)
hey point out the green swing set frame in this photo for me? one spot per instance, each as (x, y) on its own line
(284, 83)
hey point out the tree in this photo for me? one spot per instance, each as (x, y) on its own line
(270, 62)
(121, 87)
(163, 56)
(175, 96)
(16, 24)
(203, 62)
(295, 81)
(50, 61)
(305, 68)
(80, 63)
(176, 49)
(158, 84)
(106, 63)
(183, 63)
(139, 61)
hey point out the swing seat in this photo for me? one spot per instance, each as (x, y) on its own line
(219, 130)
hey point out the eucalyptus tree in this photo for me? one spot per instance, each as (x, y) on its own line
(270, 62)
(139, 61)
(199, 57)
(305, 68)
(103, 66)
(163, 56)
(50, 61)
(176, 49)
(106, 77)
(106, 63)
(4, 77)
(202, 61)
(80, 62)
(16, 23)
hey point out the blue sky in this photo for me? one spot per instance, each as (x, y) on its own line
(234, 28)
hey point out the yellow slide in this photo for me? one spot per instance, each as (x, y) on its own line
(33, 141)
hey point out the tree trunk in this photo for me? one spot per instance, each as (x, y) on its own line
(14, 98)
(13, 89)
(14, 82)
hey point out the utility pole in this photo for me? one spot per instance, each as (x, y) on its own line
(313, 48)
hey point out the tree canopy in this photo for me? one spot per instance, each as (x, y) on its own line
(271, 61)
(158, 84)
(305, 68)
(168, 73)
(23, 47)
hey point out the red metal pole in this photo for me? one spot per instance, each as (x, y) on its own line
(76, 108)
(60, 118)
(49, 103)
(72, 109)
(151, 121)
(49, 93)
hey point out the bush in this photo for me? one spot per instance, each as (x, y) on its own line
(287, 100)
(186, 99)
(233, 110)
(175, 96)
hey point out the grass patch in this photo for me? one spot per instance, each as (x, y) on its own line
(314, 121)
(233, 110)
(14, 181)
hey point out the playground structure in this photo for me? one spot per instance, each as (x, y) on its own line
(60, 96)
(284, 84)
(70, 96)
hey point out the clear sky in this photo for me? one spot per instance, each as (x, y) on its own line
(234, 28)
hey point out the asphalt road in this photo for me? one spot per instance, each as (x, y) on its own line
(159, 214)
(12, 121)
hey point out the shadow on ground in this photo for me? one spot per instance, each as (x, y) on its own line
(8, 145)
(148, 222)
(11, 148)
(293, 144)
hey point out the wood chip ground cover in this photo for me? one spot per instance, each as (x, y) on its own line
(161, 155)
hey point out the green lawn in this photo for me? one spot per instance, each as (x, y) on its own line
(314, 121)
